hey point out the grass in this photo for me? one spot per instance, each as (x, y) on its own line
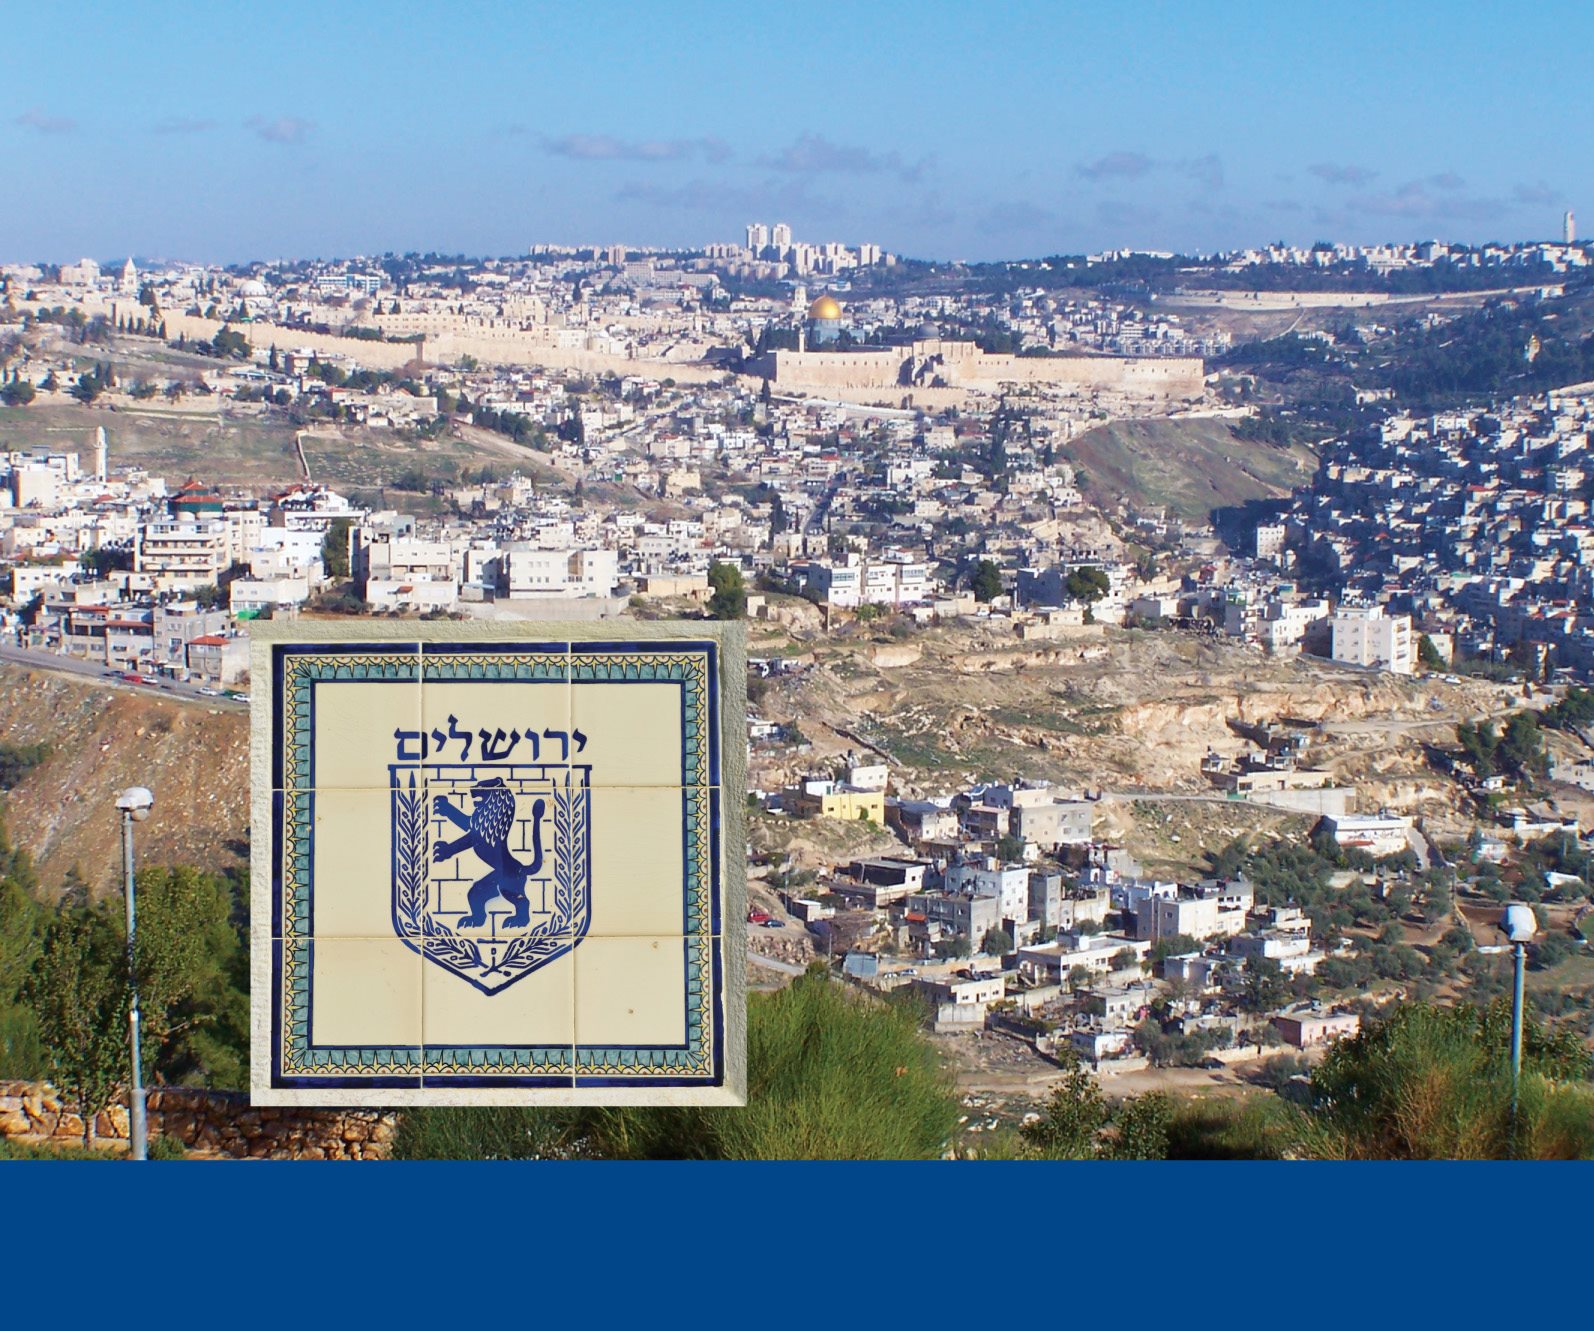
(249, 450)
(160, 1148)
(832, 1075)
(13, 1150)
(1190, 466)
(1252, 1127)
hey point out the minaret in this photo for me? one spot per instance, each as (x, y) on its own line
(100, 451)
(1571, 227)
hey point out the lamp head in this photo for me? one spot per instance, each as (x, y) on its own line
(1518, 923)
(136, 802)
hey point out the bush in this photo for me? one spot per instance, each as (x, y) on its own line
(832, 1075)
(1079, 1125)
(1433, 1083)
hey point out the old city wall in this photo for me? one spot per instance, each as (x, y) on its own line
(839, 369)
(489, 346)
(214, 1122)
(962, 365)
(1171, 376)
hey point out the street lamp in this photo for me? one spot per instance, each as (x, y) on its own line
(1519, 925)
(134, 803)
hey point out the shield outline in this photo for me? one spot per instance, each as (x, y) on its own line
(411, 862)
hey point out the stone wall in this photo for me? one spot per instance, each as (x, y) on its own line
(212, 1122)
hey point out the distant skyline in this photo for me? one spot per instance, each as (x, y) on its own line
(941, 131)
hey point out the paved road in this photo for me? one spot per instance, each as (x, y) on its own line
(70, 665)
(1168, 797)
(784, 967)
(816, 519)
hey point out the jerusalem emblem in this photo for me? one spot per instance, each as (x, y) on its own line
(492, 863)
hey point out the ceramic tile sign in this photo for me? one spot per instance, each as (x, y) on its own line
(490, 863)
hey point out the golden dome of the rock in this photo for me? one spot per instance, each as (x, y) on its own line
(824, 308)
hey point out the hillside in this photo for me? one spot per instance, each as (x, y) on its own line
(1123, 713)
(102, 740)
(253, 449)
(1190, 466)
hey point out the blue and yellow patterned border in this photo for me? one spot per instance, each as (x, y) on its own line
(297, 1063)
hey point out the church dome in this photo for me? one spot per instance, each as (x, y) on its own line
(825, 308)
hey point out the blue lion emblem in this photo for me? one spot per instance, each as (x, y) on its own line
(487, 833)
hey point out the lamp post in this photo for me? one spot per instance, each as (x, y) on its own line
(1519, 925)
(134, 803)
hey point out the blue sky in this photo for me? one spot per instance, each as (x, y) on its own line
(232, 131)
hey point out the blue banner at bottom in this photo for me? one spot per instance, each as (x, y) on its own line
(771, 1244)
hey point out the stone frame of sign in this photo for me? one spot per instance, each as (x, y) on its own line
(498, 863)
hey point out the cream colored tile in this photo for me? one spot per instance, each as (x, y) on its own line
(351, 864)
(632, 730)
(506, 1005)
(631, 992)
(359, 728)
(639, 855)
(521, 722)
(365, 991)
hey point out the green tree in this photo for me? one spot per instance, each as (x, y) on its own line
(17, 760)
(79, 995)
(21, 937)
(1087, 584)
(729, 592)
(17, 392)
(1010, 848)
(192, 983)
(1428, 655)
(1140, 1128)
(1262, 985)
(997, 942)
(1522, 747)
(1552, 949)
(230, 344)
(335, 548)
(987, 581)
(1074, 1117)
(1478, 743)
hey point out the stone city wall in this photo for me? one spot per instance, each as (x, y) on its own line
(963, 365)
(489, 347)
(214, 1122)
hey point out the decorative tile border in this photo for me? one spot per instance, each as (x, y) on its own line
(709, 1061)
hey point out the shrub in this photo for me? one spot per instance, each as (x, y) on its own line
(1433, 1083)
(832, 1075)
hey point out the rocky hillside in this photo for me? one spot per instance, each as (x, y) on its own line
(1105, 710)
(194, 757)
